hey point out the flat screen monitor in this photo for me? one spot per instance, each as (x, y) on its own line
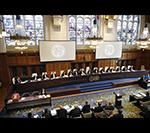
(57, 50)
(108, 50)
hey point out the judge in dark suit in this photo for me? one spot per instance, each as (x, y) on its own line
(86, 108)
(62, 113)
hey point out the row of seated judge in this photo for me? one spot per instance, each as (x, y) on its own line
(88, 71)
(86, 111)
(74, 72)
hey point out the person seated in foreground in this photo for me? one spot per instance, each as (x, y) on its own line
(61, 112)
(119, 114)
(29, 115)
(47, 113)
(109, 106)
(98, 108)
(86, 108)
(76, 112)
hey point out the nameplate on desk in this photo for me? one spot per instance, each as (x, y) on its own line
(148, 85)
(94, 78)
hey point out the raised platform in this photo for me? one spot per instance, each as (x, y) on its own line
(93, 86)
(52, 84)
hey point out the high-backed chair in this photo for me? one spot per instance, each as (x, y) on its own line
(82, 72)
(107, 69)
(88, 70)
(123, 68)
(111, 69)
(62, 73)
(101, 70)
(117, 69)
(69, 73)
(34, 75)
(44, 75)
(75, 72)
(95, 70)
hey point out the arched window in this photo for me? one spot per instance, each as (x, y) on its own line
(127, 28)
(80, 27)
(33, 25)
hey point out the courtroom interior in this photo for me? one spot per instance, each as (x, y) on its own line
(75, 66)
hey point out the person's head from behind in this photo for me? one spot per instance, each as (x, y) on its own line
(45, 110)
(29, 115)
(86, 103)
(99, 104)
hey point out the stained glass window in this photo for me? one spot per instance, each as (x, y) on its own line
(80, 27)
(127, 28)
(33, 25)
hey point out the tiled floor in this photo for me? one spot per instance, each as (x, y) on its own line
(129, 109)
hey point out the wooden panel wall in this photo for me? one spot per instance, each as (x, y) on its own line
(57, 66)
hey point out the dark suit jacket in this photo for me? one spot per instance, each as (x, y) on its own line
(75, 112)
(98, 109)
(62, 113)
(86, 109)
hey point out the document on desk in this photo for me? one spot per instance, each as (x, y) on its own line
(143, 94)
(53, 112)
(138, 95)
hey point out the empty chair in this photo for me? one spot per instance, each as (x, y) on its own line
(27, 94)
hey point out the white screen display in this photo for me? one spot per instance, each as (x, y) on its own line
(108, 50)
(57, 50)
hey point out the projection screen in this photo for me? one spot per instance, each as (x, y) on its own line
(108, 50)
(57, 50)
